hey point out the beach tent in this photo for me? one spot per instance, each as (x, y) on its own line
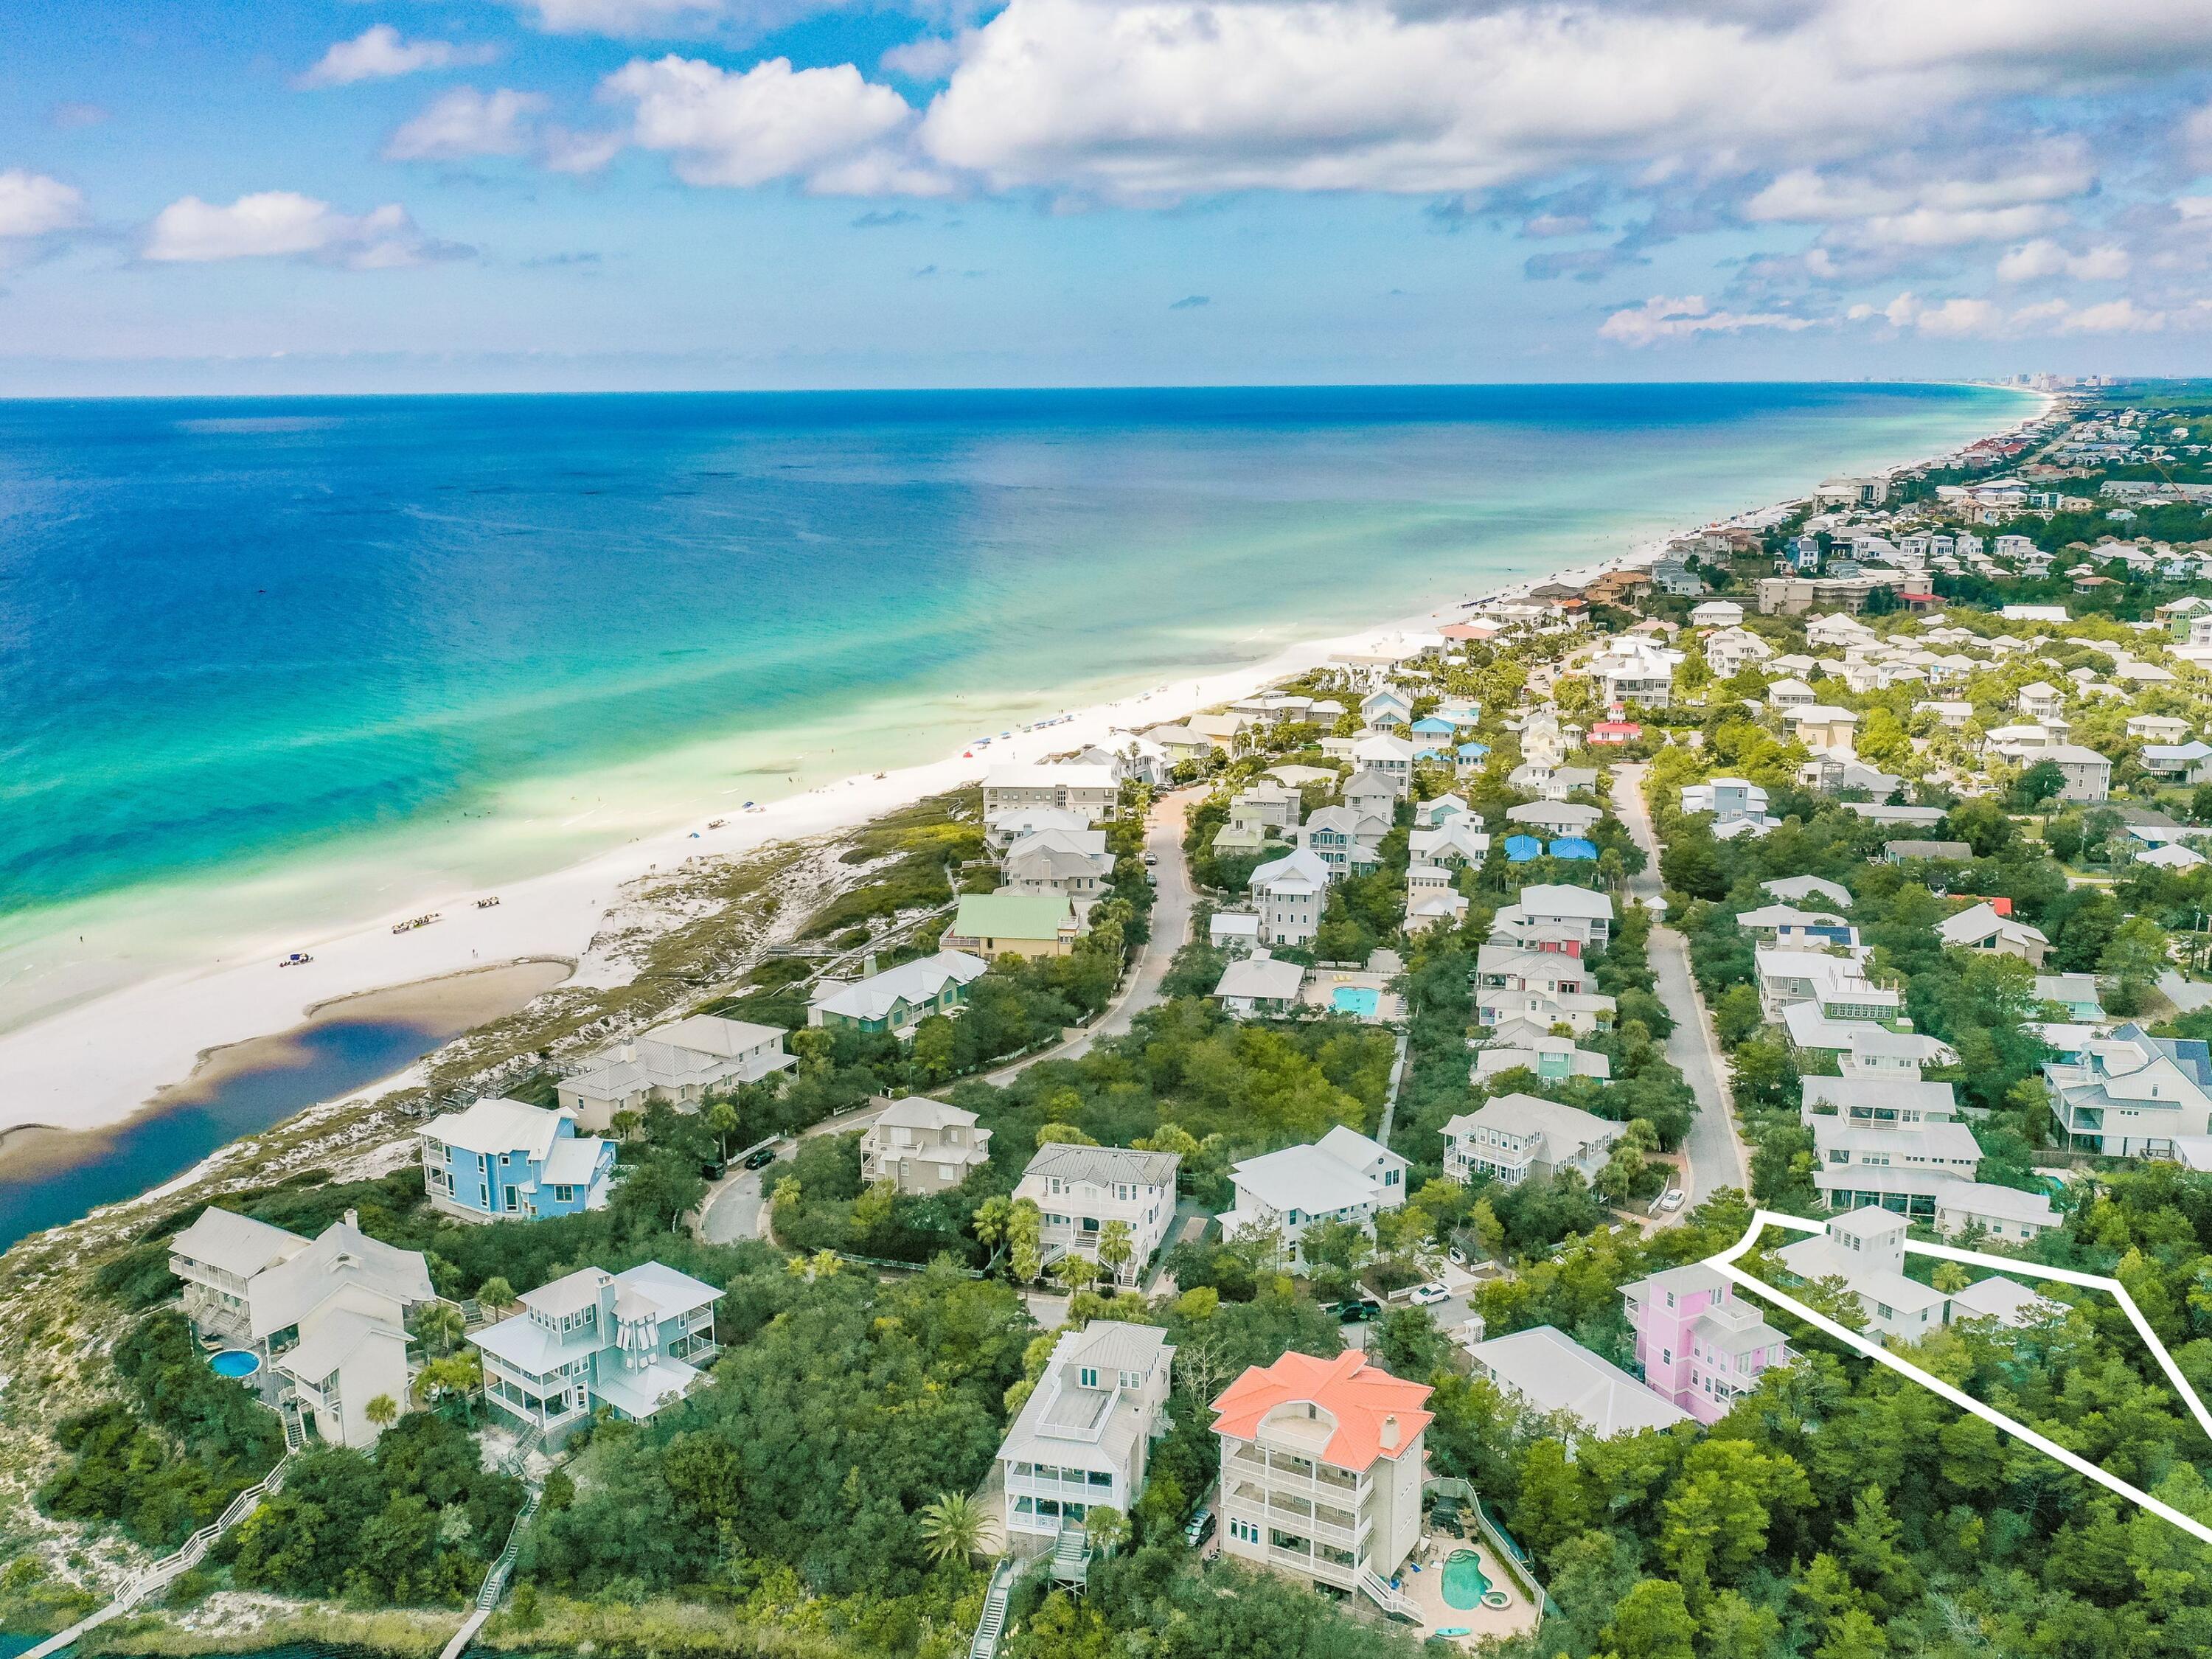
(1573, 847)
(1519, 849)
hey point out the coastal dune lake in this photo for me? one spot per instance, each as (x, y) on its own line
(268, 665)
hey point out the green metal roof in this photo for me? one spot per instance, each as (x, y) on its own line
(1010, 916)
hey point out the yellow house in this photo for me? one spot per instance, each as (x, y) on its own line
(1025, 924)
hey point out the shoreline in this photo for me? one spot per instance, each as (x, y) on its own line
(73, 1077)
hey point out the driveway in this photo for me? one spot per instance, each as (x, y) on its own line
(735, 1207)
(1713, 1147)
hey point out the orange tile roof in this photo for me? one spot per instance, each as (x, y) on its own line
(1358, 1394)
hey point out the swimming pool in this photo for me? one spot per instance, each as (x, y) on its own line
(235, 1362)
(1360, 1000)
(1465, 1582)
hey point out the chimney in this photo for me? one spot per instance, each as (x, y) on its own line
(868, 966)
(353, 1218)
(1390, 1432)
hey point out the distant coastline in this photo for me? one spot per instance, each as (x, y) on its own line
(74, 1077)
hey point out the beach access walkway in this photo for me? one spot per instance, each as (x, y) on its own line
(1713, 1148)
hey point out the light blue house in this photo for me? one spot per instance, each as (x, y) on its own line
(624, 1343)
(1430, 733)
(502, 1160)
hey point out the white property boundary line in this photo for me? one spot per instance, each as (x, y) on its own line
(1724, 1264)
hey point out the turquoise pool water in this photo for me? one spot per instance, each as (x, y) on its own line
(235, 1362)
(1464, 1580)
(1356, 999)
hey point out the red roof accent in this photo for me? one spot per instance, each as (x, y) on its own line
(1358, 1394)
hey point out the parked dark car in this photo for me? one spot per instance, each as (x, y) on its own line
(713, 1169)
(1199, 1530)
(1358, 1311)
(760, 1157)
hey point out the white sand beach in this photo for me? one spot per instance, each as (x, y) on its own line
(103, 1062)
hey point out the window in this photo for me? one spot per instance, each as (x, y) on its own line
(513, 1201)
(1087, 1376)
(564, 1194)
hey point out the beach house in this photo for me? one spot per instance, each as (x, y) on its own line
(1083, 1190)
(1084, 1437)
(1345, 1176)
(1518, 1136)
(1554, 1059)
(1551, 986)
(899, 997)
(1054, 861)
(1289, 892)
(506, 1160)
(628, 1343)
(1983, 928)
(1553, 1375)
(1012, 924)
(1549, 915)
(1698, 1346)
(1321, 1464)
(1865, 1249)
(330, 1315)
(1346, 839)
(2132, 1094)
(677, 1064)
(1092, 790)
(923, 1145)
(1260, 984)
(1557, 817)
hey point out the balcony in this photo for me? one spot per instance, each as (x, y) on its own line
(1283, 1474)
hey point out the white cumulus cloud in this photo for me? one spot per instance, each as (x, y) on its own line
(31, 204)
(466, 122)
(2044, 258)
(277, 223)
(1661, 319)
(378, 53)
(828, 127)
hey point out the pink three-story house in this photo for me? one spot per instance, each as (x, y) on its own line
(1696, 1345)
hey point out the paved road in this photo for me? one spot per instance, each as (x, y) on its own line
(1714, 1148)
(1171, 913)
(732, 1207)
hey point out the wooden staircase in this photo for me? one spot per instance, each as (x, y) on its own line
(993, 1624)
(151, 1581)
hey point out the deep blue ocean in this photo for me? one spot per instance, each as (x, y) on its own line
(488, 635)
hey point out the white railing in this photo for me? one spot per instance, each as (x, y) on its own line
(150, 1580)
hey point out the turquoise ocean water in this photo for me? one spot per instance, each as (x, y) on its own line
(300, 657)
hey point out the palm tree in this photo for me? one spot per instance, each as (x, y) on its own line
(1106, 1527)
(1950, 1278)
(625, 1124)
(951, 1527)
(383, 1411)
(722, 1121)
(441, 1326)
(496, 1292)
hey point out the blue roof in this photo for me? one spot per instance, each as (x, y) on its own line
(1519, 849)
(1430, 755)
(1472, 750)
(1431, 723)
(1573, 847)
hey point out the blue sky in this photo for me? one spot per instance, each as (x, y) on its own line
(639, 193)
